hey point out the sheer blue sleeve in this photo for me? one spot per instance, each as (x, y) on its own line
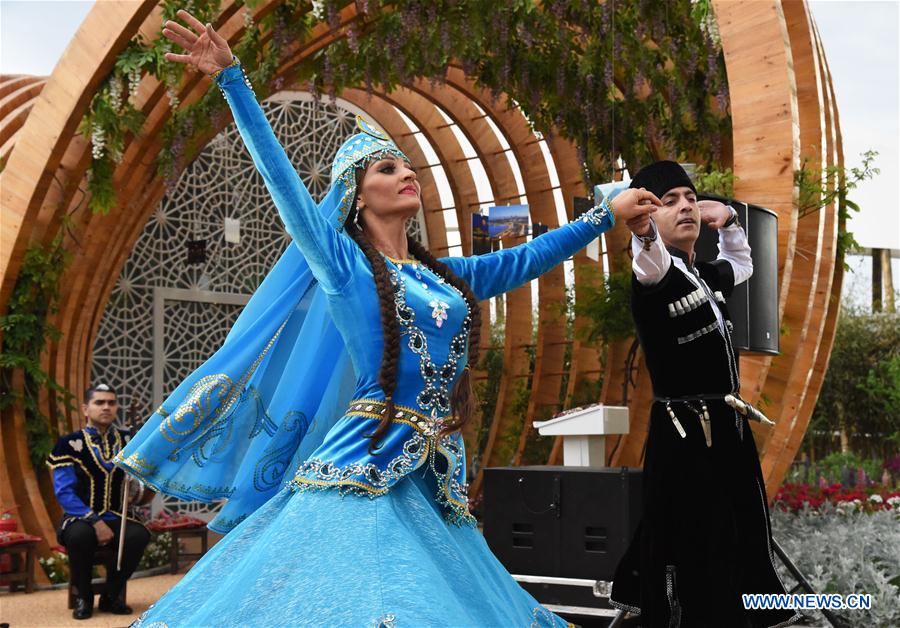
(328, 253)
(502, 271)
(64, 483)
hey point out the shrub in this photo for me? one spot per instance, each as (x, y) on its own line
(846, 549)
(157, 553)
(56, 567)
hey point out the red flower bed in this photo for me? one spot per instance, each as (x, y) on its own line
(794, 497)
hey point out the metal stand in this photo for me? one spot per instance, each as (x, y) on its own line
(617, 621)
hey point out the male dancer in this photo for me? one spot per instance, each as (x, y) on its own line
(704, 537)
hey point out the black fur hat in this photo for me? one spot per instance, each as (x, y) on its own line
(660, 177)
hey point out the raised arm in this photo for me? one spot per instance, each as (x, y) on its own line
(651, 259)
(496, 273)
(734, 249)
(328, 253)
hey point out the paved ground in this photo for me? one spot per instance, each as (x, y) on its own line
(47, 609)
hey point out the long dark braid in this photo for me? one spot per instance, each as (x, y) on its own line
(462, 398)
(390, 326)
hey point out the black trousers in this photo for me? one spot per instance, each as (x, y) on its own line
(80, 540)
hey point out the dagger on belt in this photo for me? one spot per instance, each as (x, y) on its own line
(747, 410)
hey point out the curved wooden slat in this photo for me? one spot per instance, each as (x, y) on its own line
(785, 380)
(832, 280)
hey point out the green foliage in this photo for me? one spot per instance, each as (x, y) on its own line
(26, 329)
(703, 14)
(883, 383)
(711, 181)
(487, 392)
(158, 552)
(861, 391)
(818, 188)
(56, 567)
(832, 466)
(587, 390)
(617, 78)
(508, 441)
(100, 186)
(538, 448)
(110, 118)
(845, 552)
(606, 304)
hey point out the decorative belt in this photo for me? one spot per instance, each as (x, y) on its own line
(700, 397)
(376, 409)
(732, 399)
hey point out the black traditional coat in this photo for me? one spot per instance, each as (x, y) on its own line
(704, 538)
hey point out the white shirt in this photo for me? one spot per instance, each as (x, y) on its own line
(651, 265)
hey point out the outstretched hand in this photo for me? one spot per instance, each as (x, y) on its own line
(634, 207)
(206, 49)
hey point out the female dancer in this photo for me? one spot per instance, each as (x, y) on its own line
(314, 549)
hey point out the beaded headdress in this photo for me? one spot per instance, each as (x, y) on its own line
(370, 144)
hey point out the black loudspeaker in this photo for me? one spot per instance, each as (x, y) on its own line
(566, 522)
(754, 304)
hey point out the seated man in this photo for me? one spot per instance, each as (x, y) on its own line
(90, 490)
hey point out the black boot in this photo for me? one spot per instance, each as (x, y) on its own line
(114, 606)
(84, 607)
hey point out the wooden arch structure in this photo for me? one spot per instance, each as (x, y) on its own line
(783, 111)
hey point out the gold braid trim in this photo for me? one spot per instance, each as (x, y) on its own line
(375, 409)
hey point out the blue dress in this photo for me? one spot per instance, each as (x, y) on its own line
(352, 538)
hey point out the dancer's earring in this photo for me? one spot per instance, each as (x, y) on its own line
(356, 217)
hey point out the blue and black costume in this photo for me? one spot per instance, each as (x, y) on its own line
(88, 487)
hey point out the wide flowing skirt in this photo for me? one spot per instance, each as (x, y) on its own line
(319, 558)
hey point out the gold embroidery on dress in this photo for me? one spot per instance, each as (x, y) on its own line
(199, 401)
(421, 449)
(196, 406)
(52, 463)
(136, 463)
